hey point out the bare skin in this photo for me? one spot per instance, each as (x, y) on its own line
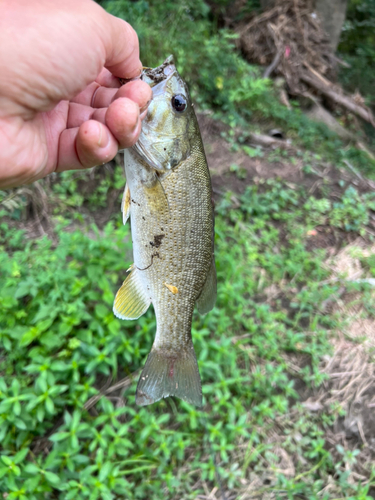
(61, 105)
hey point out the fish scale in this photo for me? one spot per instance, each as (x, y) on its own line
(168, 196)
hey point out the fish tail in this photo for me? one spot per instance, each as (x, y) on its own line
(170, 374)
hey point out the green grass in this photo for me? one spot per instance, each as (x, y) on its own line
(60, 342)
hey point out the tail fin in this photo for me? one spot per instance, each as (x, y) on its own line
(166, 374)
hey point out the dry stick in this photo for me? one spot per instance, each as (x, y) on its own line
(361, 433)
(125, 382)
(266, 140)
(354, 170)
(270, 69)
(341, 100)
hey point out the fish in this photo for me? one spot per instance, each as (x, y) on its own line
(168, 197)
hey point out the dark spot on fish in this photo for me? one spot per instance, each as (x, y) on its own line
(135, 202)
(157, 240)
(162, 229)
(143, 218)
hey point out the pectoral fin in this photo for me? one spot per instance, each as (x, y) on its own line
(125, 204)
(207, 298)
(156, 198)
(131, 300)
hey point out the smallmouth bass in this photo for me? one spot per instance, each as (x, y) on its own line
(168, 198)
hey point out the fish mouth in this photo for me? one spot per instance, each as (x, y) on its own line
(154, 76)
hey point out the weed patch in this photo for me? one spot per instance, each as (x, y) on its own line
(61, 344)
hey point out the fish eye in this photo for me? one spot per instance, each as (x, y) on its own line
(179, 103)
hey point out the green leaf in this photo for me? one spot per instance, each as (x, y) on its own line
(105, 470)
(17, 408)
(59, 436)
(31, 469)
(59, 366)
(32, 334)
(6, 460)
(50, 407)
(52, 478)
(3, 471)
(20, 424)
(40, 414)
(101, 311)
(20, 455)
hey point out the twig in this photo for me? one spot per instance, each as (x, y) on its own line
(349, 165)
(339, 99)
(270, 69)
(125, 382)
(361, 433)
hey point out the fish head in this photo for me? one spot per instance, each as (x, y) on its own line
(166, 135)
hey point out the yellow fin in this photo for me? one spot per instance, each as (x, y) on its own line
(125, 204)
(157, 200)
(172, 288)
(207, 298)
(131, 300)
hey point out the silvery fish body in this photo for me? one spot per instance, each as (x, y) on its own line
(168, 197)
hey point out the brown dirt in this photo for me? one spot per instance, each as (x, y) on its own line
(220, 157)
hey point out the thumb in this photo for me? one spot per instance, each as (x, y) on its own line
(121, 48)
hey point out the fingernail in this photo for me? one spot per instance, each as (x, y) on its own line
(124, 81)
(103, 137)
(136, 125)
(143, 108)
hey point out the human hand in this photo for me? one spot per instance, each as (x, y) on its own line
(61, 107)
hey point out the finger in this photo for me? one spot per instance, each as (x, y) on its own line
(84, 147)
(79, 113)
(106, 79)
(123, 120)
(86, 96)
(122, 48)
(138, 91)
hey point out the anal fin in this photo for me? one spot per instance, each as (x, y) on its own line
(131, 300)
(170, 374)
(207, 298)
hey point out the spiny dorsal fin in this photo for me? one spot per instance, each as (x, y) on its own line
(207, 298)
(131, 300)
(125, 204)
